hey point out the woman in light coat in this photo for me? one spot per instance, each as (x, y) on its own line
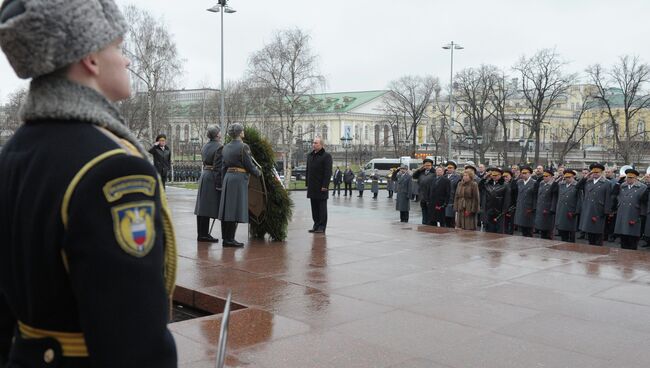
(466, 202)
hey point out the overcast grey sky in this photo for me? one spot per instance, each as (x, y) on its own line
(364, 44)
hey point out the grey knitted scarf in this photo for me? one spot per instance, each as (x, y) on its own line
(54, 97)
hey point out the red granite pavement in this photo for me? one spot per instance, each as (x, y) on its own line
(374, 292)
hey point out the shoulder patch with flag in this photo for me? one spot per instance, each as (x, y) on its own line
(133, 224)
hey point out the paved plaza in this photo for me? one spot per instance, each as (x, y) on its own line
(374, 292)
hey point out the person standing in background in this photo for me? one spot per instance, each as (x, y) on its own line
(374, 185)
(348, 178)
(454, 178)
(361, 182)
(466, 201)
(569, 200)
(319, 174)
(403, 182)
(338, 179)
(425, 176)
(208, 196)
(162, 157)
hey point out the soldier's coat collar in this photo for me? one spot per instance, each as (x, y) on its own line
(53, 97)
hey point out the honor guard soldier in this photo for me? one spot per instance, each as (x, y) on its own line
(526, 197)
(596, 203)
(495, 200)
(374, 184)
(454, 178)
(569, 200)
(208, 195)
(425, 176)
(88, 256)
(236, 167)
(545, 205)
(361, 182)
(632, 199)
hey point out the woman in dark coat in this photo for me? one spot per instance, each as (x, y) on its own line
(237, 166)
(162, 157)
(209, 194)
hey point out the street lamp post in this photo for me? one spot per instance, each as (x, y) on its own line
(346, 146)
(451, 47)
(195, 143)
(222, 7)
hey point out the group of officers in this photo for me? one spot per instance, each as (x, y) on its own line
(526, 201)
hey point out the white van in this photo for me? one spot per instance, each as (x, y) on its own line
(383, 165)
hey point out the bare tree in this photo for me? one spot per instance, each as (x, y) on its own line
(410, 97)
(501, 94)
(575, 132)
(622, 87)
(12, 111)
(287, 67)
(543, 85)
(474, 88)
(154, 59)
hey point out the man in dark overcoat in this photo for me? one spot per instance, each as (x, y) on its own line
(425, 175)
(454, 178)
(337, 179)
(632, 200)
(569, 200)
(162, 157)
(545, 204)
(526, 197)
(495, 200)
(208, 196)
(511, 186)
(319, 173)
(596, 203)
(403, 189)
(438, 197)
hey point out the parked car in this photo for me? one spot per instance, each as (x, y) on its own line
(299, 172)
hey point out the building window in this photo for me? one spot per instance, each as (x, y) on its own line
(323, 133)
(299, 132)
(186, 133)
(312, 131)
(357, 132)
(377, 134)
(386, 134)
(365, 133)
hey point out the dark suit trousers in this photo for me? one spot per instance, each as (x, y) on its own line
(337, 188)
(319, 213)
(348, 187)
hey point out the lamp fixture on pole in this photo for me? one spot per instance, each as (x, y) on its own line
(451, 47)
(222, 7)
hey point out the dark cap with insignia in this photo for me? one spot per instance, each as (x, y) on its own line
(427, 160)
(526, 169)
(569, 172)
(596, 167)
(631, 173)
(451, 164)
(548, 172)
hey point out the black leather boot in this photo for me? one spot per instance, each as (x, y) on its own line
(228, 230)
(203, 230)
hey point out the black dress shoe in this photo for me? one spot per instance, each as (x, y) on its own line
(311, 230)
(318, 231)
(232, 243)
(207, 239)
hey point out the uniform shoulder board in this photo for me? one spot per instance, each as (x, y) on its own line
(133, 225)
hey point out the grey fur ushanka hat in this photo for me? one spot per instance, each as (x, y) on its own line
(41, 36)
